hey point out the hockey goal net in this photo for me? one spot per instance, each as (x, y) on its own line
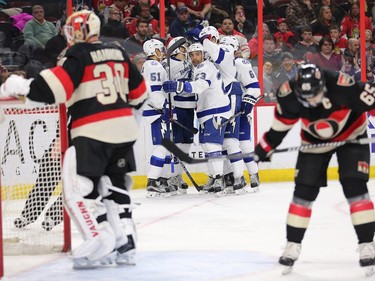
(32, 141)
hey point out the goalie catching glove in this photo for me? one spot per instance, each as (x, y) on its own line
(15, 86)
(177, 87)
(263, 151)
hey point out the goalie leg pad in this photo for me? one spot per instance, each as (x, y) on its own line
(99, 239)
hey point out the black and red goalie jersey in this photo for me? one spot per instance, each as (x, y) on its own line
(100, 86)
(341, 115)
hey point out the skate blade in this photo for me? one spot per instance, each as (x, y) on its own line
(286, 269)
(153, 194)
(182, 191)
(368, 270)
(221, 193)
(244, 190)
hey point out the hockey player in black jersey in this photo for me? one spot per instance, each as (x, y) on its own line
(331, 107)
(100, 87)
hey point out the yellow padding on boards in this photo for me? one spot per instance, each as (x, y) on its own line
(21, 191)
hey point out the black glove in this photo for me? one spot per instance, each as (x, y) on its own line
(247, 105)
(263, 151)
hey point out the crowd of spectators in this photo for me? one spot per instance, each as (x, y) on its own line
(324, 32)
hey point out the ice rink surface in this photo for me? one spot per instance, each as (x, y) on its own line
(198, 237)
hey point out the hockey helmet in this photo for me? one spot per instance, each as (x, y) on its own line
(210, 30)
(310, 82)
(80, 26)
(230, 40)
(180, 50)
(154, 47)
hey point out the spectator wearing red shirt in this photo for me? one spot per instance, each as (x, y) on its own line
(350, 23)
(198, 9)
(340, 43)
(284, 38)
(253, 42)
(146, 15)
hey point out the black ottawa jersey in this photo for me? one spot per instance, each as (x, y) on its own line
(340, 116)
(100, 86)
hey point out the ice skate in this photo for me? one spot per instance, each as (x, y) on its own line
(49, 223)
(218, 186)
(367, 257)
(239, 186)
(207, 188)
(290, 255)
(169, 188)
(154, 190)
(126, 253)
(21, 222)
(229, 182)
(178, 184)
(254, 182)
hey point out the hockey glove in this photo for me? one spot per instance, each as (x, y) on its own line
(176, 87)
(194, 33)
(15, 86)
(263, 151)
(247, 105)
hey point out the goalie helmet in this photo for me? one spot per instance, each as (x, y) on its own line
(180, 50)
(230, 40)
(80, 26)
(310, 82)
(151, 46)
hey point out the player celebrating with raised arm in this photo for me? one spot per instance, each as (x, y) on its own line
(332, 107)
(223, 57)
(212, 109)
(100, 86)
(155, 75)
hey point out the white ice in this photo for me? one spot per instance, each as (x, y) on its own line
(200, 237)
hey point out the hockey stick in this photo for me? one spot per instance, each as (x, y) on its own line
(197, 186)
(237, 114)
(192, 130)
(186, 158)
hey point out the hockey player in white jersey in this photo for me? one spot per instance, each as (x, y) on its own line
(180, 69)
(251, 92)
(156, 112)
(212, 110)
(223, 57)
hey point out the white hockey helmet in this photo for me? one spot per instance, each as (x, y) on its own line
(196, 47)
(210, 30)
(151, 46)
(177, 50)
(80, 26)
(231, 41)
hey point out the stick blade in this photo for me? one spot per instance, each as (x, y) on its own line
(177, 44)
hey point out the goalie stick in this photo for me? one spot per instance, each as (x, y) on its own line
(187, 159)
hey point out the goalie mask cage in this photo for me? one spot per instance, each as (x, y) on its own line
(32, 142)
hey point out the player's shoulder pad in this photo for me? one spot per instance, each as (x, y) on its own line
(284, 90)
(345, 80)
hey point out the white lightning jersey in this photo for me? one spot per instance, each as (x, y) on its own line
(223, 57)
(208, 85)
(182, 70)
(155, 75)
(246, 76)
